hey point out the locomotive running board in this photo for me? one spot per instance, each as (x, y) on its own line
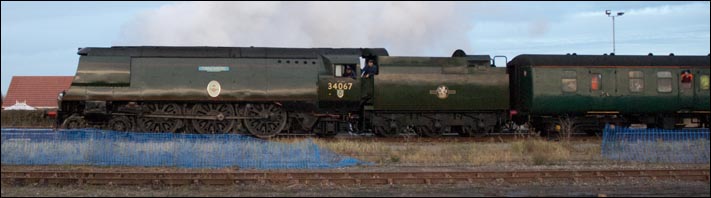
(215, 117)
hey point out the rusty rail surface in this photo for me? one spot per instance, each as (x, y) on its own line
(340, 178)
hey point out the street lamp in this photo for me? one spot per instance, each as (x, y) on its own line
(609, 14)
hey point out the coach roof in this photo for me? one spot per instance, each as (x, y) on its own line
(608, 60)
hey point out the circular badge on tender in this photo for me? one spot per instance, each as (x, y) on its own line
(213, 88)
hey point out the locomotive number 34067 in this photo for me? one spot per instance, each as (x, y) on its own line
(340, 86)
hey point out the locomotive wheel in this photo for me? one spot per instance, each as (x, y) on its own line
(427, 131)
(220, 125)
(161, 124)
(74, 122)
(273, 120)
(121, 123)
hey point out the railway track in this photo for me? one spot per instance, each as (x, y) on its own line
(340, 178)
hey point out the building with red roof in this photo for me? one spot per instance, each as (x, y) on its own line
(39, 92)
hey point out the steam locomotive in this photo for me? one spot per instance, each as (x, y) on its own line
(275, 91)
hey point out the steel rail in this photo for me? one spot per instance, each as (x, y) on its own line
(341, 178)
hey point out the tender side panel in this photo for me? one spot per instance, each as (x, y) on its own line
(413, 83)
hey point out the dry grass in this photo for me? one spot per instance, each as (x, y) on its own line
(530, 151)
(542, 152)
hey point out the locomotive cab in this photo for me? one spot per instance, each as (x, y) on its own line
(340, 86)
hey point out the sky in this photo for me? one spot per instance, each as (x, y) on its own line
(42, 38)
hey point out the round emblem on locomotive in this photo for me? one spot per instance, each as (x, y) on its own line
(213, 88)
(442, 92)
(339, 93)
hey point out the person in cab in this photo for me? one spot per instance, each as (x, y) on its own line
(349, 72)
(369, 70)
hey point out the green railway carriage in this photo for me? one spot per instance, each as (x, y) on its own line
(619, 89)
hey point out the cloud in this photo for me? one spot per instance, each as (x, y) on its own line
(404, 28)
(654, 11)
(681, 28)
(538, 28)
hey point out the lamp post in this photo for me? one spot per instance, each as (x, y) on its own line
(609, 14)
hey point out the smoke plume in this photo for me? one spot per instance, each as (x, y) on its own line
(404, 28)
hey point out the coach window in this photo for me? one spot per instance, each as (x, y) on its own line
(595, 82)
(686, 79)
(664, 81)
(569, 81)
(704, 82)
(636, 81)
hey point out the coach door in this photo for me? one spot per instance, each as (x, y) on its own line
(686, 84)
(603, 88)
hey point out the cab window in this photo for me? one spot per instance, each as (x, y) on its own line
(636, 81)
(344, 70)
(338, 70)
(664, 81)
(704, 82)
(569, 81)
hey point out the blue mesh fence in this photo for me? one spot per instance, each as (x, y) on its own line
(110, 148)
(656, 145)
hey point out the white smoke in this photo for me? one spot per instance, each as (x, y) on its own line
(404, 28)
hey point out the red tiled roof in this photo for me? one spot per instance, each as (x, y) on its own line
(38, 91)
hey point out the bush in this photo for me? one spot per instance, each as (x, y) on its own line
(394, 159)
(16, 118)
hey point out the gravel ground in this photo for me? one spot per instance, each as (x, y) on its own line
(633, 188)
(630, 187)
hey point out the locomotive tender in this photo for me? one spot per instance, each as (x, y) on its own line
(271, 91)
